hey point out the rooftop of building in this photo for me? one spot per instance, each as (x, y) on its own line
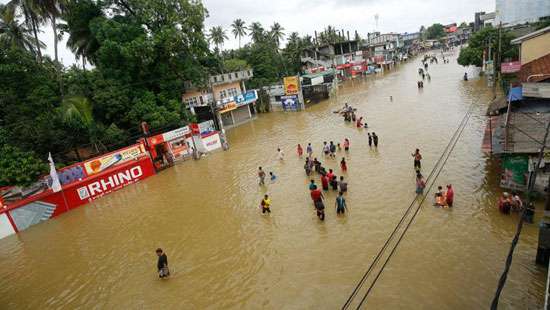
(531, 35)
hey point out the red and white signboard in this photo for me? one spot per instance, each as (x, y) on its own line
(510, 67)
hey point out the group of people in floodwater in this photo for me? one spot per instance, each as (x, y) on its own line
(441, 198)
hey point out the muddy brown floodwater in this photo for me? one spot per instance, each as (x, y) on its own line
(225, 254)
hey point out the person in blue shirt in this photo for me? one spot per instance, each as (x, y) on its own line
(272, 176)
(312, 185)
(340, 204)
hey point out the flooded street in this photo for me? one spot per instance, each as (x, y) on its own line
(224, 254)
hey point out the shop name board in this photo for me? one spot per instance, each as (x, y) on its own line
(177, 133)
(291, 85)
(247, 97)
(107, 184)
(510, 67)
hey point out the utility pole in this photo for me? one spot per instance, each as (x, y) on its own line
(497, 61)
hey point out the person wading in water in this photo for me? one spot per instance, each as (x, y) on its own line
(162, 264)
(261, 175)
(417, 158)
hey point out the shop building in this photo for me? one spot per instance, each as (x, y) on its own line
(517, 122)
(225, 100)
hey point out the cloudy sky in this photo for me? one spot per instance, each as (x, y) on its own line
(305, 16)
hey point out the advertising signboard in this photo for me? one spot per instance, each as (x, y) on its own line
(229, 107)
(101, 163)
(211, 142)
(510, 67)
(176, 133)
(291, 85)
(290, 103)
(206, 127)
(247, 97)
(515, 170)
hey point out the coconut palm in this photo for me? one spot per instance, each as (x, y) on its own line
(217, 36)
(51, 10)
(256, 31)
(277, 33)
(15, 34)
(77, 112)
(81, 41)
(238, 29)
(33, 19)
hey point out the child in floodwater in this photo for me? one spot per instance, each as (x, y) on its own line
(343, 165)
(439, 197)
(266, 204)
(162, 264)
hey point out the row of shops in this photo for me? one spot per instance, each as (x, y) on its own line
(517, 123)
(83, 182)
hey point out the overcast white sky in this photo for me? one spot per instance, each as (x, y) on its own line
(305, 16)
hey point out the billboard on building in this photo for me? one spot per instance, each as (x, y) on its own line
(291, 84)
(99, 164)
(515, 172)
(290, 103)
(510, 67)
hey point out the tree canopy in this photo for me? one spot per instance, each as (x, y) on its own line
(481, 40)
(435, 32)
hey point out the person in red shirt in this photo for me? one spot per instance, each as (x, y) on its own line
(316, 194)
(317, 197)
(324, 182)
(449, 195)
(300, 150)
(330, 174)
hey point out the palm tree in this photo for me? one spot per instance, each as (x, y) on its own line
(239, 30)
(277, 33)
(33, 19)
(15, 34)
(256, 31)
(81, 41)
(51, 9)
(217, 36)
(77, 112)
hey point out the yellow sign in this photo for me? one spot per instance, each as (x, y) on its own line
(99, 164)
(228, 107)
(291, 85)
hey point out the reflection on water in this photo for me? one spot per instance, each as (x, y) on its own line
(224, 254)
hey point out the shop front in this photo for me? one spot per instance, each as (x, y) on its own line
(171, 146)
(239, 109)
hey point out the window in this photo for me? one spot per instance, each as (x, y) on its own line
(192, 101)
(223, 94)
(232, 92)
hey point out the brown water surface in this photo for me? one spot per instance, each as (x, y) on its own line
(225, 254)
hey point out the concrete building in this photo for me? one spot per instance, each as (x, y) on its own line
(487, 19)
(533, 45)
(517, 122)
(385, 49)
(225, 100)
(331, 55)
(513, 12)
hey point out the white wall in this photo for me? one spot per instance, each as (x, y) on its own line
(5, 226)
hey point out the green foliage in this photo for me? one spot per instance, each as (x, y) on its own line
(235, 64)
(18, 167)
(435, 32)
(488, 36)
